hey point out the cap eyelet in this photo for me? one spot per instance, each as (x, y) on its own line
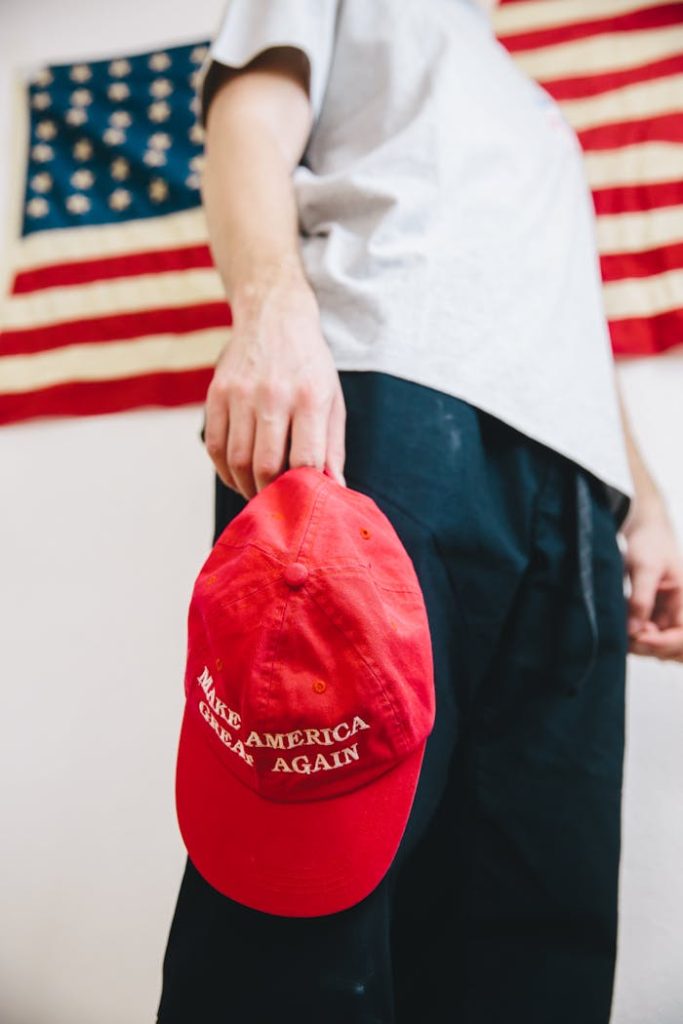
(211, 579)
(365, 533)
(219, 663)
(319, 686)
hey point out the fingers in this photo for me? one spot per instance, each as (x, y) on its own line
(668, 606)
(270, 444)
(665, 644)
(241, 446)
(216, 435)
(309, 431)
(253, 433)
(644, 582)
(336, 437)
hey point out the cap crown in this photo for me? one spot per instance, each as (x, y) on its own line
(309, 656)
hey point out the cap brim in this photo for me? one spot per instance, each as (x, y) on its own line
(299, 859)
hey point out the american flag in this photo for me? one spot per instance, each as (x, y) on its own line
(113, 302)
(616, 69)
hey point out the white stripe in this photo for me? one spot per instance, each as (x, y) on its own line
(645, 99)
(613, 51)
(536, 15)
(643, 297)
(102, 240)
(109, 298)
(113, 360)
(644, 164)
(637, 232)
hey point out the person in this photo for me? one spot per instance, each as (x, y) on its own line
(406, 239)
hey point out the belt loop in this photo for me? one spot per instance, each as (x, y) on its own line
(584, 548)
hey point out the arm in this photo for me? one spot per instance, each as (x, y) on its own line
(654, 564)
(275, 399)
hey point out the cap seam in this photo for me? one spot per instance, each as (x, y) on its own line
(256, 546)
(267, 689)
(372, 669)
(308, 535)
(242, 594)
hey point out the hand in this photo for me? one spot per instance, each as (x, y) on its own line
(655, 567)
(275, 400)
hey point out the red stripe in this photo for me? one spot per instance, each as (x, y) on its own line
(665, 128)
(583, 86)
(638, 198)
(90, 398)
(620, 265)
(650, 17)
(122, 327)
(645, 336)
(158, 261)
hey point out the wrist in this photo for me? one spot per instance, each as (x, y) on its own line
(648, 506)
(284, 278)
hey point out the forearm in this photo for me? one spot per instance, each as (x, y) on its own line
(248, 194)
(275, 399)
(647, 494)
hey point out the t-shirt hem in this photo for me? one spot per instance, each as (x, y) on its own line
(619, 486)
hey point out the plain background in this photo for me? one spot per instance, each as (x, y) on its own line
(104, 523)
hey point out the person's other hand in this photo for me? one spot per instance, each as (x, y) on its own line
(275, 400)
(655, 567)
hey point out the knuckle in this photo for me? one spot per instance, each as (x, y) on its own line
(272, 393)
(307, 458)
(266, 468)
(215, 448)
(219, 386)
(239, 460)
(241, 389)
(307, 397)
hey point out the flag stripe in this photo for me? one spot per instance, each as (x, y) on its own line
(630, 103)
(516, 16)
(636, 198)
(652, 261)
(643, 164)
(159, 261)
(118, 359)
(129, 295)
(601, 54)
(93, 398)
(121, 326)
(176, 230)
(654, 17)
(645, 297)
(647, 335)
(666, 128)
(640, 232)
(578, 87)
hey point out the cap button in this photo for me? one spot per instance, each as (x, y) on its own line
(295, 574)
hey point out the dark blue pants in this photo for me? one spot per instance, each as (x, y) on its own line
(501, 905)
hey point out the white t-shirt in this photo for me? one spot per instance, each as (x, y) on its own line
(446, 224)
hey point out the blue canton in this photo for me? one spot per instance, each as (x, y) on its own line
(114, 140)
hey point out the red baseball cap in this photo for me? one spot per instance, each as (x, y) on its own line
(309, 698)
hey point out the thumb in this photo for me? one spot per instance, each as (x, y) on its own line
(644, 583)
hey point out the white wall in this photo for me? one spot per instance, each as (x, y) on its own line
(104, 522)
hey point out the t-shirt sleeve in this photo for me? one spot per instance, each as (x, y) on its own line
(249, 27)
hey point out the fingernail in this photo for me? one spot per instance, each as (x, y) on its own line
(634, 625)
